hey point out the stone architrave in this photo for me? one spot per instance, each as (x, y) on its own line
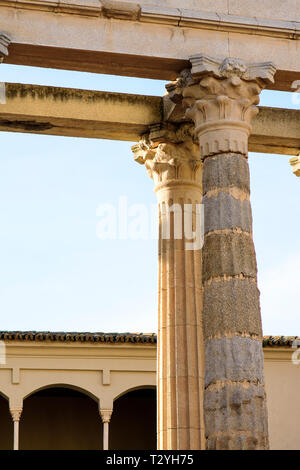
(172, 160)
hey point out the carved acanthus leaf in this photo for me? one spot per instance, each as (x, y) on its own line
(169, 153)
(222, 101)
(175, 88)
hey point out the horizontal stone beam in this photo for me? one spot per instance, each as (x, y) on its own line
(77, 113)
(120, 116)
(276, 130)
(137, 39)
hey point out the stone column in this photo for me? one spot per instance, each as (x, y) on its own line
(220, 98)
(16, 415)
(172, 160)
(106, 416)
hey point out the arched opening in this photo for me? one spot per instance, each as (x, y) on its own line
(133, 422)
(6, 425)
(60, 418)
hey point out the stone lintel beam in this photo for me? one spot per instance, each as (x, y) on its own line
(133, 39)
(275, 130)
(77, 113)
(119, 116)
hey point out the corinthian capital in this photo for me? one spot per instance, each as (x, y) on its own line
(16, 413)
(169, 154)
(221, 98)
(106, 415)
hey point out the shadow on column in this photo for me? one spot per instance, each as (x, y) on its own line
(60, 419)
(133, 422)
(6, 425)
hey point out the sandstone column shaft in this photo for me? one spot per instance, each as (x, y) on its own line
(176, 170)
(221, 101)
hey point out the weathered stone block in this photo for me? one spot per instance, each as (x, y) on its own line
(229, 254)
(235, 417)
(231, 306)
(226, 212)
(229, 441)
(226, 171)
(237, 359)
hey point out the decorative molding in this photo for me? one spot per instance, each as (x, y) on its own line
(277, 354)
(120, 10)
(295, 164)
(74, 7)
(15, 375)
(221, 22)
(161, 15)
(4, 43)
(105, 377)
(203, 65)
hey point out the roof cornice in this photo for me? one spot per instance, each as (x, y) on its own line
(159, 15)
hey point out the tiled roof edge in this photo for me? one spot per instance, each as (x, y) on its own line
(134, 338)
(79, 337)
(277, 341)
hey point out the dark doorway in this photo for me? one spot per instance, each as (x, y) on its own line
(133, 422)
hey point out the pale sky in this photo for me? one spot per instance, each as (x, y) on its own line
(57, 275)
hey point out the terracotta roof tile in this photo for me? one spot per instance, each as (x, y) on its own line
(62, 336)
(277, 341)
(134, 338)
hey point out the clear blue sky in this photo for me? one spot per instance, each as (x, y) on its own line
(57, 275)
